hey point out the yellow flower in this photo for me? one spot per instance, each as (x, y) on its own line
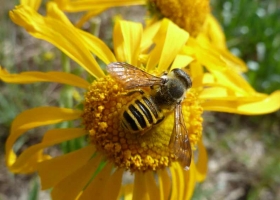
(35, 4)
(192, 15)
(90, 171)
(148, 156)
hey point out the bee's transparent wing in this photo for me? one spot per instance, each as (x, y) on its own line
(179, 140)
(132, 77)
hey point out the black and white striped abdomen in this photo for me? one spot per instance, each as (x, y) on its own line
(141, 114)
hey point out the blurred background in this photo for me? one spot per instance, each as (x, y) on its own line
(244, 160)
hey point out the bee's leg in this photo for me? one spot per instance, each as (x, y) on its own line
(131, 92)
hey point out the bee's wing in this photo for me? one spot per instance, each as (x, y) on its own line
(179, 140)
(132, 77)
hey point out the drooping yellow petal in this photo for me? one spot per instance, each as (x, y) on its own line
(126, 192)
(33, 77)
(153, 189)
(164, 184)
(215, 36)
(34, 118)
(231, 79)
(89, 15)
(202, 162)
(93, 44)
(165, 52)
(218, 67)
(214, 32)
(85, 5)
(127, 39)
(63, 36)
(190, 179)
(267, 105)
(70, 187)
(98, 47)
(206, 57)
(218, 92)
(175, 183)
(178, 182)
(114, 183)
(26, 162)
(214, 92)
(35, 4)
(224, 54)
(97, 186)
(140, 191)
(54, 170)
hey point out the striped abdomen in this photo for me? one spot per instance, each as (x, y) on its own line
(141, 114)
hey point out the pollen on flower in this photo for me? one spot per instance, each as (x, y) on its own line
(103, 106)
(189, 14)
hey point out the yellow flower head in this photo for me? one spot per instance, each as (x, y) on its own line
(189, 15)
(104, 104)
(90, 171)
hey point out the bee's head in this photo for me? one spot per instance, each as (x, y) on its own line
(183, 77)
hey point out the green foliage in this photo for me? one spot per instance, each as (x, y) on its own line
(33, 194)
(252, 30)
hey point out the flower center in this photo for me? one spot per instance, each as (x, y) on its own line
(104, 104)
(188, 14)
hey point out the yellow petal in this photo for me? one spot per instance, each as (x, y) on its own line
(233, 81)
(190, 177)
(114, 183)
(28, 159)
(127, 38)
(224, 75)
(164, 184)
(216, 37)
(33, 77)
(94, 44)
(98, 47)
(63, 36)
(89, 15)
(175, 183)
(202, 162)
(70, 187)
(140, 191)
(232, 61)
(178, 181)
(215, 32)
(84, 5)
(197, 72)
(33, 118)
(153, 189)
(221, 93)
(35, 4)
(98, 185)
(212, 37)
(148, 35)
(54, 170)
(126, 192)
(267, 105)
(214, 93)
(167, 45)
(181, 61)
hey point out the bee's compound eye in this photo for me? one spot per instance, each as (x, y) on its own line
(183, 77)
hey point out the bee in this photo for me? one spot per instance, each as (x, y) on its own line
(166, 93)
